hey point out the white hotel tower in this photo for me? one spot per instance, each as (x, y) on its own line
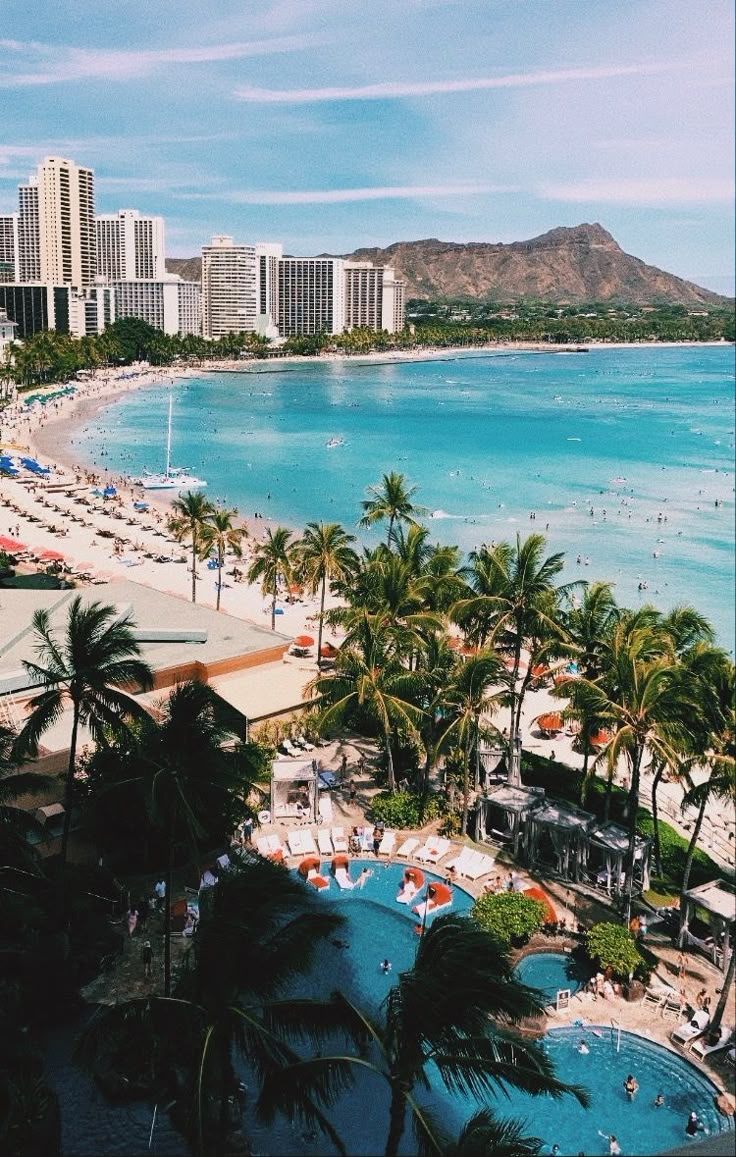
(130, 247)
(56, 226)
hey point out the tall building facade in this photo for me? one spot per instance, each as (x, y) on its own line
(78, 312)
(169, 304)
(9, 270)
(311, 296)
(130, 247)
(267, 266)
(393, 304)
(29, 233)
(363, 295)
(66, 218)
(229, 287)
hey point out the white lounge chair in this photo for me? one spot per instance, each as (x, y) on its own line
(288, 747)
(688, 1033)
(324, 842)
(342, 879)
(658, 994)
(479, 865)
(434, 849)
(303, 742)
(309, 848)
(408, 847)
(387, 844)
(458, 862)
(703, 1048)
(339, 842)
(294, 840)
(275, 850)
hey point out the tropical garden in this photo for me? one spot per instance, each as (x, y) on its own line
(438, 658)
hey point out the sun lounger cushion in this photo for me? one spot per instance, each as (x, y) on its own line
(408, 846)
(387, 844)
(308, 845)
(693, 1028)
(324, 842)
(704, 1047)
(339, 842)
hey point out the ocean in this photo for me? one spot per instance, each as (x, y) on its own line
(624, 457)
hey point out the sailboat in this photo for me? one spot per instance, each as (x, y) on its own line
(174, 477)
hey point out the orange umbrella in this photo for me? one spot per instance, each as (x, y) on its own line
(454, 643)
(304, 641)
(327, 649)
(535, 893)
(600, 739)
(539, 671)
(51, 556)
(552, 721)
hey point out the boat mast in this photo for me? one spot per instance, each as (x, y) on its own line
(168, 438)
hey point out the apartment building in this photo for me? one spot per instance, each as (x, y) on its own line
(268, 256)
(229, 287)
(29, 234)
(393, 301)
(130, 247)
(363, 295)
(78, 312)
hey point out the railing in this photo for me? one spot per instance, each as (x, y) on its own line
(616, 1027)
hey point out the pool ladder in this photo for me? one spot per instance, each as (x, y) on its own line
(616, 1027)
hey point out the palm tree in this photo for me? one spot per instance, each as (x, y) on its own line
(588, 626)
(191, 513)
(219, 533)
(454, 1010)
(369, 679)
(273, 564)
(484, 1134)
(515, 605)
(324, 555)
(391, 499)
(192, 773)
(95, 655)
(467, 699)
(641, 699)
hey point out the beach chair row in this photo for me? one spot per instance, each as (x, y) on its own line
(465, 861)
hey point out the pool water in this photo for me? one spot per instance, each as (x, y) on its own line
(376, 928)
(551, 971)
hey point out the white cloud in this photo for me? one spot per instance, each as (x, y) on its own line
(337, 196)
(392, 90)
(642, 191)
(56, 64)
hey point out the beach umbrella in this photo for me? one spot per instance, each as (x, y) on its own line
(539, 671)
(600, 739)
(11, 545)
(551, 721)
(327, 650)
(84, 567)
(304, 641)
(51, 556)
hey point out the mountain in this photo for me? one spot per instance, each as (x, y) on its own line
(566, 265)
(188, 268)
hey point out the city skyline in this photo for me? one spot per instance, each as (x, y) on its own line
(467, 121)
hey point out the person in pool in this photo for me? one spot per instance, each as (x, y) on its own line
(694, 1125)
(614, 1148)
(631, 1086)
(583, 1048)
(659, 1101)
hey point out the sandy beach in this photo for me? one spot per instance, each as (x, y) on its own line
(109, 539)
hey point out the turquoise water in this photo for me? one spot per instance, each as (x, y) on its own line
(645, 435)
(550, 971)
(376, 928)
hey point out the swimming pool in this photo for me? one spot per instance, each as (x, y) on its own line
(551, 971)
(376, 928)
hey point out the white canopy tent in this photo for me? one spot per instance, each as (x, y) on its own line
(502, 812)
(607, 858)
(556, 835)
(294, 790)
(718, 900)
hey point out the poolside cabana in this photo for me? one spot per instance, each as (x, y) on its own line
(501, 813)
(718, 899)
(492, 763)
(294, 791)
(556, 836)
(608, 849)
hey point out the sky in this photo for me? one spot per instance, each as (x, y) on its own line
(330, 125)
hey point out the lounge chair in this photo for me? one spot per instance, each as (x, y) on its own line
(674, 1006)
(275, 850)
(479, 865)
(703, 1048)
(342, 879)
(308, 845)
(438, 896)
(288, 747)
(408, 847)
(688, 1033)
(294, 840)
(303, 742)
(324, 842)
(339, 842)
(387, 844)
(658, 994)
(461, 859)
(435, 848)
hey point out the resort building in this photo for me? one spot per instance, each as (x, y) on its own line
(393, 308)
(9, 270)
(268, 256)
(363, 295)
(130, 247)
(78, 312)
(66, 223)
(311, 296)
(167, 303)
(29, 237)
(229, 288)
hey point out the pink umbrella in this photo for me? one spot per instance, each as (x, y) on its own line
(51, 556)
(11, 545)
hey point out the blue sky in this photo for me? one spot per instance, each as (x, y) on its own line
(331, 124)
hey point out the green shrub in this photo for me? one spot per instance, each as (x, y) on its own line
(612, 946)
(673, 849)
(511, 917)
(403, 809)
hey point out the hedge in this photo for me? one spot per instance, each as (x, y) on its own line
(404, 809)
